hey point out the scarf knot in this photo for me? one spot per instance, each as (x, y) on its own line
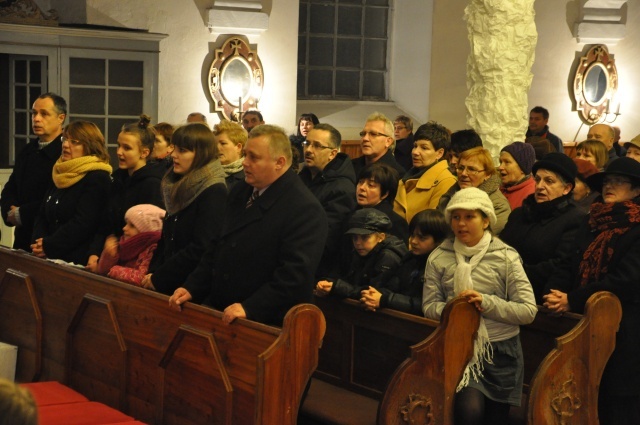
(67, 173)
(179, 191)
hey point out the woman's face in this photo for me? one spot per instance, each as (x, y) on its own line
(368, 193)
(581, 190)
(420, 244)
(305, 127)
(587, 156)
(227, 151)
(161, 147)
(633, 152)
(424, 154)
(71, 148)
(617, 188)
(130, 154)
(471, 173)
(509, 170)
(182, 160)
(549, 186)
(468, 226)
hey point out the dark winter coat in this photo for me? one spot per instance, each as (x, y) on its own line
(335, 189)
(267, 255)
(403, 150)
(402, 288)
(69, 218)
(387, 158)
(365, 271)
(542, 233)
(27, 185)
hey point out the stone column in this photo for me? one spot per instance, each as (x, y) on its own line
(503, 38)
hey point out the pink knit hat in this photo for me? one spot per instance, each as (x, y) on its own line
(145, 217)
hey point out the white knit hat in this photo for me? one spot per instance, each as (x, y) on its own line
(145, 217)
(472, 198)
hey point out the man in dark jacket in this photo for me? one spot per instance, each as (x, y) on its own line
(329, 175)
(376, 142)
(538, 120)
(403, 132)
(272, 239)
(31, 177)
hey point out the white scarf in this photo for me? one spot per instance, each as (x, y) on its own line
(482, 350)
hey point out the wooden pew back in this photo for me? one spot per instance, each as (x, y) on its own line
(123, 346)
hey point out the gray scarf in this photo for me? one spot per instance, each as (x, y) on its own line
(179, 191)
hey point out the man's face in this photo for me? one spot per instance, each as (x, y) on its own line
(374, 141)
(537, 122)
(251, 120)
(46, 122)
(260, 169)
(400, 131)
(601, 132)
(318, 151)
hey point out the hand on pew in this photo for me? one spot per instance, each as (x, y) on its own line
(370, 298)
(179, 297)
(323, 287)
(147, 283)
(556, 301)
(473, 297)
(232, 312)
(92, 264)
(37, 249)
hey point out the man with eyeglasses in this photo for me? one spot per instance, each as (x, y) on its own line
(376, 143)
(31, 176)
(329, 175)
(403, 132)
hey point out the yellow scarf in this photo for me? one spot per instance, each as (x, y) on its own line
(66, 174)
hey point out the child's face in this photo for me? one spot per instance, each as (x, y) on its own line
(363, 244)
(420, 244)
(129, 230)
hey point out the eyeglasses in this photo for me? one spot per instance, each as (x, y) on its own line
(470, 170)
(615, 181)
(372, 134)
(72, 141)
(315, 145)
(400, 127)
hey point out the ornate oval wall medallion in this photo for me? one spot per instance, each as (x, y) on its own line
(235, 78)
(595, 84)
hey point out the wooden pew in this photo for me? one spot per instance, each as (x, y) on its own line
(564, 358)
(123, 346)
(400, 365)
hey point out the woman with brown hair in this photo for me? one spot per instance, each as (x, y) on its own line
(71, 211)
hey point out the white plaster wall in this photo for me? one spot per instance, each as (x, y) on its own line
(185, 55)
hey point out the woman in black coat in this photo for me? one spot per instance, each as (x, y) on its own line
(195, 196)
(543, 228)
(71, 211)
(604, 257)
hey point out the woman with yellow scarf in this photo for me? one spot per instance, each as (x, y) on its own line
(71, 210)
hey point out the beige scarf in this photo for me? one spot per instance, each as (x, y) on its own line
(482, 350)
(66, 174)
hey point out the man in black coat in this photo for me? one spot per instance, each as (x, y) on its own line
(31, 177)
(329, 175)
(272, 239)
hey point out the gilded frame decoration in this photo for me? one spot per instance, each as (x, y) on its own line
(235, 78)
(595, 84)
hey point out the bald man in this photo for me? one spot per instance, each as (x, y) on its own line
(606, 134)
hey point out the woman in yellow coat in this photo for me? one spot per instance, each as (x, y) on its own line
(429, 178)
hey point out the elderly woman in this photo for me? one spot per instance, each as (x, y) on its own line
(71, 211)
(542, 229)
(489, 274)
(593, 151)
(604, 257)
(231, 138)
(429, 178)
(516, 161)
(476, 169)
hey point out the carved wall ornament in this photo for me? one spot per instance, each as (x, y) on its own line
(418, 410)
(566, 401)
(26, 12)
(595, 85)
(235, 78)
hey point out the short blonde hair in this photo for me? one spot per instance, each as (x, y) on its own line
(279, 144)
(595, 148)
(236, 133)
(388, 124)
(483, 156)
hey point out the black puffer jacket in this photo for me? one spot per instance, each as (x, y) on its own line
(365, 271)
(542, 233)
(402, 288)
